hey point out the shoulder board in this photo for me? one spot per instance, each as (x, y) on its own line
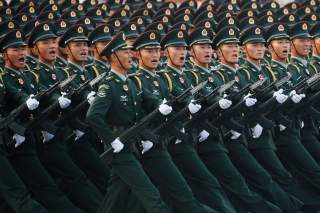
(134, 74)
(161, 71)
(88, 65)
(108, 78)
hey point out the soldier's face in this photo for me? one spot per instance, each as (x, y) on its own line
(301, 46)
(254, 51)
(202, 53)
(47, 50)
(176, 56)
(149, 58)
(78, 51)
(15, 57)
(123, 59)
(281, 48)
(229, 53)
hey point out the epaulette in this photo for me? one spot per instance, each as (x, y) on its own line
(221, 75)
(161, 71)
(88, 65)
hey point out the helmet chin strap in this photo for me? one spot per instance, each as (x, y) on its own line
(120, 61)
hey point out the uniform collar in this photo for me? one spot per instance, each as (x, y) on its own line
(254, 66)
(47, 67)
(228, 67)
(279, 63)
(202, 68)
(12, 71)
(62, 59)
(119, 75)
(152, 74)
(76, 66)
(179, 72)
(303, 61)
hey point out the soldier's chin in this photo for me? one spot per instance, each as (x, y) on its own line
(19, 65)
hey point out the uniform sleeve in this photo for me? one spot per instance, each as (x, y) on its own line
(97, 113)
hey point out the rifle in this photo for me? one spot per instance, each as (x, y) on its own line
(16, 112)
(49, 109)
(138, 127)
(82, 104)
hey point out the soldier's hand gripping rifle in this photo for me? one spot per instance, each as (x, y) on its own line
(259, 112)
(138, 127)
(83, 104)
(8, 120)
(47, 111)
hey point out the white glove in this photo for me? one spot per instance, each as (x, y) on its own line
(178, 140)
(19, 140)
(225, 103)
(194, 108)
(235, 135)
(282, 127)
(32, 103)
(46, 136)
(281, 98)
(203, 135)
(63, 101)
(296, 98)
(117, 145)
(90, 97)
(164, 108)
(78, 133)
(249, 101)
(147, 145)
(257, 131)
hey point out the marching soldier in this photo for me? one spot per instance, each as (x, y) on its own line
(203, 184)
(288, 140)
(226, 42)
(21, 87)
(211, 151)
(117, 106)
(54, 151)
(80, 148)
(169, 180)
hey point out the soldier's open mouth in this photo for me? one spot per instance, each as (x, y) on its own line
(154, 61)
(21, 60)
(182, 58)
(52, 52)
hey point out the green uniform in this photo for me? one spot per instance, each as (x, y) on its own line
(73, 181)
(31, 62)
(95, 69)
(215, 155)
(24, 158)
(12, 190)
(261, 152)
(119, 105)
(60, 62)
(165, 174)
(82, 149)
(202, 182)
(290, 149)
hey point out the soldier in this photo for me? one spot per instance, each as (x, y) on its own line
(80, 147)
(61, 58)
(21, 87)
(169, 180)
(288, 140)
(211, 149)
(227, 44)
(54, 151)
(117, 106)
(182, 150)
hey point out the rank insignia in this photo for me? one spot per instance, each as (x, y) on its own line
(125, 87)
(21, 81)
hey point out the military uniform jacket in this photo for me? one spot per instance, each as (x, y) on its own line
(31, 62)
(249, 73)
(119, 104)
(60, 62)
(95, 69)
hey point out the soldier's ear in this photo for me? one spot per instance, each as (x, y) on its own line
(5, 55)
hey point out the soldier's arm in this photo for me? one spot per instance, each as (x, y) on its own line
(16, 94)
(96, 115)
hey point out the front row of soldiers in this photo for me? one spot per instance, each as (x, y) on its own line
(253, 151)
